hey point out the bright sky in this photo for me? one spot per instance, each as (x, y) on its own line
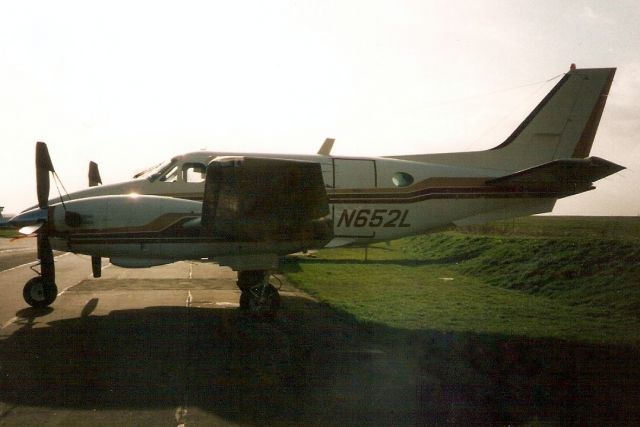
(128, 84)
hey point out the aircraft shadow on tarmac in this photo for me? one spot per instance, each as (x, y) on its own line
(312, 365)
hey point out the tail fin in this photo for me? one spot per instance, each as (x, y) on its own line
(562, 126)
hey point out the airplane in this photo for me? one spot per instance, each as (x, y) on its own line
(246, 210)
(2, 220)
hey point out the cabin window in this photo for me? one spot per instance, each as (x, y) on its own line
(194, 172)
(402, 179)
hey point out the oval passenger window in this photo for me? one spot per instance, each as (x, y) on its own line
(402, 179)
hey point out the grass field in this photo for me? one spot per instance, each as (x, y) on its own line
(518, 322)
(9, 233)
(567, 280)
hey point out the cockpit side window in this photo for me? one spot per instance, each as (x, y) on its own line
(194, 172)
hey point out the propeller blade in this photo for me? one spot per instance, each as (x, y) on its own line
(47, 283)
(43, 167)
(94, 175)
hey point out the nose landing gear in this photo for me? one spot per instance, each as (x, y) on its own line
(39, 292)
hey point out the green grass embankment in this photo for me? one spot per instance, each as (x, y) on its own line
(567, 278)
(578, 271)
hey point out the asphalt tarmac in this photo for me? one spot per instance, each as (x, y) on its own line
(168, 346)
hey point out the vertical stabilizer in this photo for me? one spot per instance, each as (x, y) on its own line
(562, 126)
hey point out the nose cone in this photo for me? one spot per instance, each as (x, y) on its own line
(29, 218)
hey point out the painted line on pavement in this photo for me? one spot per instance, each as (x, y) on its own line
(90, 276)
(15, 319)
(31, 262)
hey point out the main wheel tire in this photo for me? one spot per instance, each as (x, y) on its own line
(250, 278)
(39, 292)
(253, 302)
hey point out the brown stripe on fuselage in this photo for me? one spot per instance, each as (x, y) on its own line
(430, 188)
(447, 188)
(159, 224)
(429, 183)
(438, 188)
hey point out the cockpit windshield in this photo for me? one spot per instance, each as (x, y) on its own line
(152, 173)
(176, 170)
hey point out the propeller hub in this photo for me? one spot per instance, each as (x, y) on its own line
(28, 218)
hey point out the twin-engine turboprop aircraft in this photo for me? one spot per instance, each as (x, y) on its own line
(247, 210)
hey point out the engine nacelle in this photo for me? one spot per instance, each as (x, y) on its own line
(138, 263)
(131, 213)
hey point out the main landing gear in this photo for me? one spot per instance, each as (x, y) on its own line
(259, 297)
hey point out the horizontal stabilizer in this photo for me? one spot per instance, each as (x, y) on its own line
(561, 175)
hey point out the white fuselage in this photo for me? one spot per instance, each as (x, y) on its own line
(370, 199)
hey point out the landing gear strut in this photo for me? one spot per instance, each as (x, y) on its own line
(41, 291)
(259, 297)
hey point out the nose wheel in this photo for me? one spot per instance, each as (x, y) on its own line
(39, 292)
